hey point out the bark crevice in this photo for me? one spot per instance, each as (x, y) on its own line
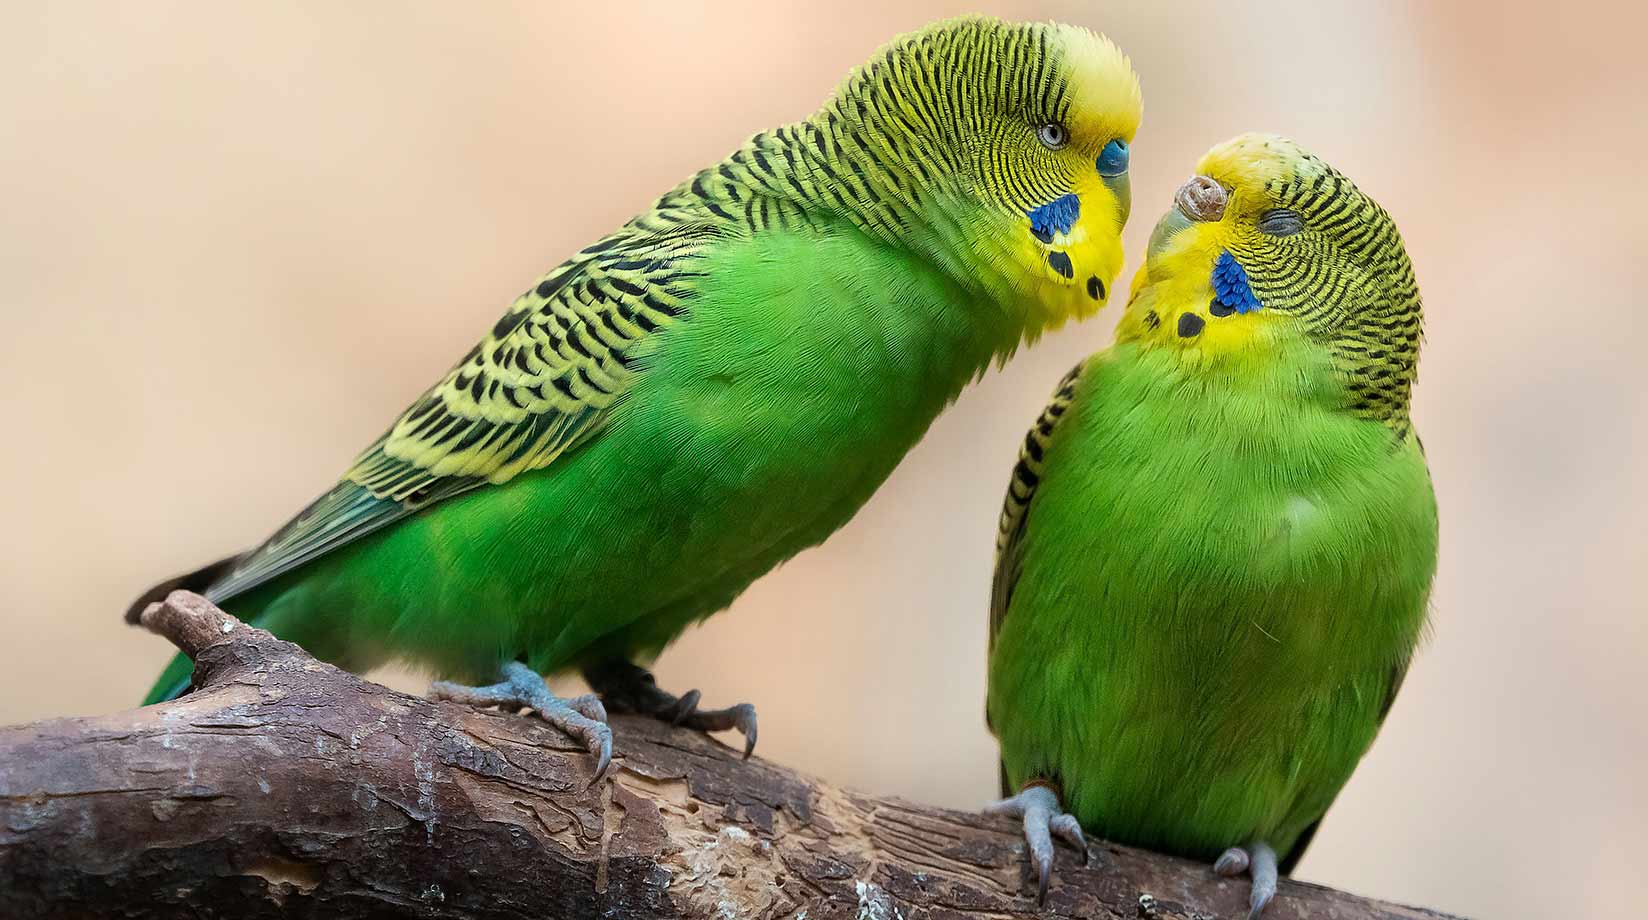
(284, 787)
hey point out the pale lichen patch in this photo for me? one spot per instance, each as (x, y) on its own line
(874, 903)
(284, 877)
(730, 874)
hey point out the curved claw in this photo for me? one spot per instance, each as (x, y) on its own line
(1038, 807)
(583, 718)
(589, 706)
(746, 725)
(1263, 871)
(1259, 861)
(596, 736)
(1069, 830)
(740, 717)
(1044, 872)
(1231, 863)
(628, 687)
(602, 749)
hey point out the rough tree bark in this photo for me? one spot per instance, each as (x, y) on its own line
(286, 787)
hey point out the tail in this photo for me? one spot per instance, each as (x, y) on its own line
(174, 681)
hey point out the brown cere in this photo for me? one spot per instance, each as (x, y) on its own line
(1201, 199)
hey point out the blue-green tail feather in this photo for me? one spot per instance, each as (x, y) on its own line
(174, 681)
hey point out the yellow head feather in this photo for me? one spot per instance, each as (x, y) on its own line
(1269, 246)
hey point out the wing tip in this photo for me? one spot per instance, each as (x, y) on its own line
(198, 580)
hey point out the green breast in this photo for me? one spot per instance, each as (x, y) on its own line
(807, 365)
(1222, 581)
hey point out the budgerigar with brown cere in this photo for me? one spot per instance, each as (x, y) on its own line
(715, 386)
(1217, 548)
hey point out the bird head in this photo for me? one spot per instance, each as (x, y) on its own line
(1001, 150)
(1268, 245)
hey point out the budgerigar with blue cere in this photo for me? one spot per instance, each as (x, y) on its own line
(717, 385)
(1216, 553)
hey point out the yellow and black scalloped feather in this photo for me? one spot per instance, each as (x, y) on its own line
(1021, 489)
(547, 376)
(540, 383)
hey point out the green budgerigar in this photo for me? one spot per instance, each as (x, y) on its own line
(715, 386)
(1217, 549)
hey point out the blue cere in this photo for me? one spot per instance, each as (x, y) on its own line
(1056, 216)
(1112, 161)
(1230, 287)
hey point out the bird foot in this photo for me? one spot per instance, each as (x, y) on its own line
(1259, 861)
(626, 687)
(583, 718)
(1038, 806)
(739, 717)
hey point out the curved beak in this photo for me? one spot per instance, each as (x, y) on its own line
(1122, 187)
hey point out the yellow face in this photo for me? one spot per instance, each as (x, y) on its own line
(1052, 170)
(1268, 251)
(1009, 143)
(1214, 277)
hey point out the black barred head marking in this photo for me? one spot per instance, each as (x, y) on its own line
(1313, 245)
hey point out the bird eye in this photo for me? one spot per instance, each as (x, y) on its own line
(1281, 222)
(1113, 158)
(1053, 136)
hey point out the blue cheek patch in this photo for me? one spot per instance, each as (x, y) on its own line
(1231, 292)
(1056, 216)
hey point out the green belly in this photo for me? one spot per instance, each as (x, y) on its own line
(1221, 586)
(763, 421)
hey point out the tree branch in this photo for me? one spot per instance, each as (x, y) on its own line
(284, 787)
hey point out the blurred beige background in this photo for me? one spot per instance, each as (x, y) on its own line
(235, 239)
